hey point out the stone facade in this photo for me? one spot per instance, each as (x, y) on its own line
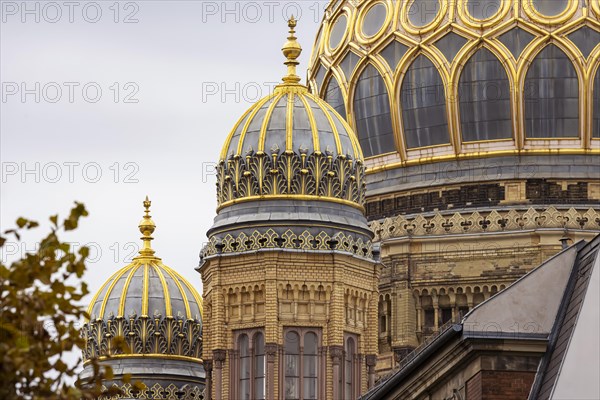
(333, 292)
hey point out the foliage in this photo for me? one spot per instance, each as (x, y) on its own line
(40, 313)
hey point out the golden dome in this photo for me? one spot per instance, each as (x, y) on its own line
(291, 144)
(145, 292)
(423, 81)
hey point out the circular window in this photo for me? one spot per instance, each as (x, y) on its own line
(550, 8)
(483, 10)
(423, 12)
(374, 20)
(338, 31)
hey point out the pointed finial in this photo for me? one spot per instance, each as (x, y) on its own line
(147, 227)
(292, 50)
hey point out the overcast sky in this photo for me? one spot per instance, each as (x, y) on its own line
(105, 102)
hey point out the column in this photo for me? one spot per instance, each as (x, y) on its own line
(208, 368)
(219, 361)
(336, 353)
(271, 352)
(371, 361)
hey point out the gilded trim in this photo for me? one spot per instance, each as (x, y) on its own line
(255, 111)
(124, 291)
(111, 287)
(313, 122)
(145, 291)
(289, 123)
(165, 287)
(266, 121)
(291, 197)
(186, 303)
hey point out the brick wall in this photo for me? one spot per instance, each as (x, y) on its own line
(500, 385)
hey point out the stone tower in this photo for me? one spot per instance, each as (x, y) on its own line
(290, 283)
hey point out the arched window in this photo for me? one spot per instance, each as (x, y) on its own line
(333, 95)
(350, 368)
(596, 106)
(292, 365)
(244, 349)
(484, 97)
(551, 96)
(301, 364)
(249, 366)
(372, 114)
(423, 103)
(259, 365)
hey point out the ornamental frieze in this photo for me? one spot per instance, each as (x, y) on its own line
(143, 335)
(288, 240)
(484, 222)
(290, 174)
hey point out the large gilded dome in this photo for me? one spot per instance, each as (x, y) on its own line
(424, 81)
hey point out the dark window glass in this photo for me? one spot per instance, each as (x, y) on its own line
(596, 106)
(338, 31)
(333, 95)
(551, 96)
(516, 40)
(483, 9)
(446, 315)
(586, 39)
(374, 19)
(310, 366)
(550, 7)
(429, 318)
(349, 63)
(292, 366)
(320, 76)
(243, 347)
(484, 98)
(450, 45)
(372, 113)
(423, 105)
(393, 53)
(423, 12)
(259, 366)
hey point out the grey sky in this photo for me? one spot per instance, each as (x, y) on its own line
(175, 57)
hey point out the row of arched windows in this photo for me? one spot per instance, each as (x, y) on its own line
(302, 365)
(551, 102)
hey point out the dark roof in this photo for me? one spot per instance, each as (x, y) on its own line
(564, 327)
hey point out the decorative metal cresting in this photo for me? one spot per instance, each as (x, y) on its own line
(158, 391)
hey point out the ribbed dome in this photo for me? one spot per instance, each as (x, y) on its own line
(155, 310)
(291, 119)
(423, 81)
(146, 287)
(291, 145)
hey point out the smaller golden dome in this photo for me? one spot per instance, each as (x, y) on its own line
(145, 295)
(291, 144)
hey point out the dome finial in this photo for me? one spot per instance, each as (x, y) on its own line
(147, 227)
(292, 50)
